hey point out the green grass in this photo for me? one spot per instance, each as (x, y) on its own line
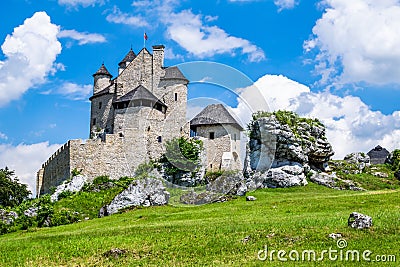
(367, 179)
(212, 235)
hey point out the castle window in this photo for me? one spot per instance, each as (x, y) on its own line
(100, 104)
(94, 121)
(234, 137)
(148, 129)
(159, 139)
(176, 96)
(212, 135)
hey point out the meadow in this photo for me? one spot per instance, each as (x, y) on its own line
(233, 233)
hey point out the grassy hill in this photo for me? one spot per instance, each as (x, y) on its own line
(219, 234)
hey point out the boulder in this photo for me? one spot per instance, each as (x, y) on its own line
(359, 221)
(285, 176)
(229, 183)
(145, 192)
(74, 185)
(251, 198)
(205, 197)
(361, 160)
(380, 174)
(332, 181)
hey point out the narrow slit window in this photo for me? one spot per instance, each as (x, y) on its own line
(159, 139)
(176, 96)
(94, 121)
(100, 105)
(212, 135)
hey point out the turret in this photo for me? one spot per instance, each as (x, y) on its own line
(102, 79)
(127, 59)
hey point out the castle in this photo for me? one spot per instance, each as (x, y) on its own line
(133, 115)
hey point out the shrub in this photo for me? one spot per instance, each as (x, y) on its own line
(182, 154)
(75, 172)
(101, 179)
(65, 194)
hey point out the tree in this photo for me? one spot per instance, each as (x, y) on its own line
(182, 154)
(12, 192)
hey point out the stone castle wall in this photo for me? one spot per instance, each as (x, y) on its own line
(55, 170)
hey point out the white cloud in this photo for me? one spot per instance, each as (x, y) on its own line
(351, 125)
(3, 136)
(75, 91)
(84, 3)
(119, 17)
(190, 32)
(169, 54)
(285, 4)
(30, 51)
(26, 160)
(358, 41)
(82, 37)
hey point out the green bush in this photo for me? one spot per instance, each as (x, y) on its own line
(65, 194)
(75, 172)
(101, 179)
(182, 154)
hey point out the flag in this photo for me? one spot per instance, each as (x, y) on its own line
(145, 36)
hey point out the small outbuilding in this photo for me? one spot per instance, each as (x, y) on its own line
(378, 155)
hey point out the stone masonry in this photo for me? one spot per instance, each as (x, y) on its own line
(131, 118)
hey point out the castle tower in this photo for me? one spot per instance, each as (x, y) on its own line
(102, 79)
(127, 59)
(221, 137)
(101, 112)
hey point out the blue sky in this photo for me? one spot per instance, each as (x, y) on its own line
(334, 59)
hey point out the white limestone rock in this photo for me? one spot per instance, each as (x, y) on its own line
(145, 192)
(362, 160)
(332, 181)
(359, 221)
(74, 185)
(228, 184)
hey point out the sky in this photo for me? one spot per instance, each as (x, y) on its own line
(336, 60)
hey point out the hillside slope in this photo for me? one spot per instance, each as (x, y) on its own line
(229, 233)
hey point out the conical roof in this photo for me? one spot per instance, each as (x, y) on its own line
(102, 71)
(215, 114)
(128, 58)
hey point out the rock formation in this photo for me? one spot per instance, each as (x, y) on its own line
(74, 185)
(282, 149)
(359, 221)
(144, 192)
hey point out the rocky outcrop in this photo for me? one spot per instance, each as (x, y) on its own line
(74, 185)
(145, 192)
(359, 221)
(285, 176)
(332, 181)
(229, 183)
(280, 154)
(361, 160)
